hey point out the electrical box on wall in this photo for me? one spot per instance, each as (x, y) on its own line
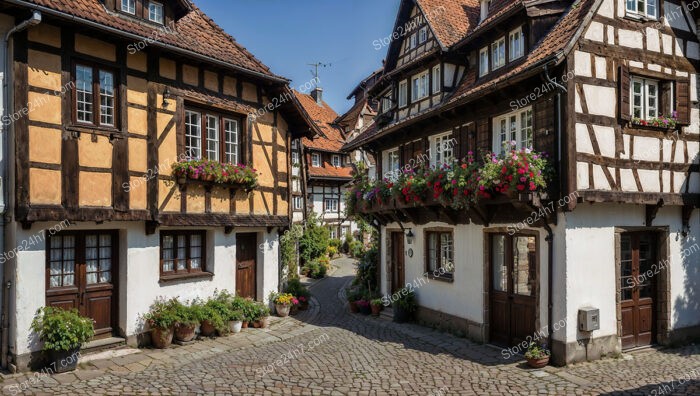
(588, 319)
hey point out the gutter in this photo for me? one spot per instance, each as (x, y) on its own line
(136, 37)
(6, 140)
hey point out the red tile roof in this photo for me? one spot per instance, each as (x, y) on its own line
(195, 32)
(552, 46)
(330, 171)
(450, 20)
(324, 117)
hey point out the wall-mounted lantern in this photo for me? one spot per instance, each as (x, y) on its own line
(166, 96)
(409, 236)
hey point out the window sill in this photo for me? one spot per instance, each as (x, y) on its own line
(164, 279)
(442, 278)
(111, 132)
(639, 17)
(655, 128)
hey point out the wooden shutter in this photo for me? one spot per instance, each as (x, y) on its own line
(683, 101)
(624, 84)
(483, 134)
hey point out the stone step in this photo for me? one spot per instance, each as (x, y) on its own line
(102, 344)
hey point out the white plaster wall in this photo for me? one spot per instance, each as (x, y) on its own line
(139, 274)
(590, 264)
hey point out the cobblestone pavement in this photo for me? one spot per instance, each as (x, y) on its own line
(332, 352)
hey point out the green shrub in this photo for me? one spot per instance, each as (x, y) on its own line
(214, 317)
(249, 310)
(62, 330)
(221, 303)
(406, 300)
(345, 247)
(289, 249)
(186, 315)
(314, 242)
(163, 314)
(357, 250)
(332, 251)
(295, 288)
(334, 243)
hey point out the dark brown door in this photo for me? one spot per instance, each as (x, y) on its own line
(513, 288)
(81, 272)
(637, 290)
(246, 266)
(398, 276)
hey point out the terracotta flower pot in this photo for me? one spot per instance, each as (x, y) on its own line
(207, 329)
(282, 310)
(538, 363)
(161, 338)
(353, 307)
(244, 324)
(263, 323)
(376, 309)
(185, 333)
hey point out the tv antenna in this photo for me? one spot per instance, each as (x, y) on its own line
(316, 66)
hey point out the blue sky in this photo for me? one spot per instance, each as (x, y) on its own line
(288, 34)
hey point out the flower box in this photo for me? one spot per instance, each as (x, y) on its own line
(212, 173)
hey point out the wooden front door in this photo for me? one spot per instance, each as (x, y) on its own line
(513, 291)
(398, 273)
(246, 265)
(637, 290)
(81, 272)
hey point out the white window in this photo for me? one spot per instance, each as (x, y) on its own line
(645, 98)
(485, 5)
(403, 93)
(295, 143)
(335, 160)
(83, 89)
(330, 205)
(412, 41)
(316, 160)
(106, 98)
(391, 164)
(423, 35)
(212, 138)
(483, 61)
(129, 6)
(442, 149)
(437, 79)
(155, 12)
(232, 141)
(193, 134)
(295, 158)
(298, 203)
(386, 104)
(333, 232)
(513, 127)
(498, 53)
(420, 87)
(296, 185)
(517, 44)
(642, 7)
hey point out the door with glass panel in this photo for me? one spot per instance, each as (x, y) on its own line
(81, 273)
(513, 291)
(637, 288)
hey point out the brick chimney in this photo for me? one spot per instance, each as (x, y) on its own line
(317, 94)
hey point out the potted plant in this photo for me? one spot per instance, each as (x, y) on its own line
(363, 306)
(405, 305)
(236, 322)
(376, 305)
(221, 304)
(353, 296)
(298, 290)
(186, 322)
(283, 303)
(537, 356)
(63, 333)
(212, 322)
(161, 319)
(262, 316)
(249, 311)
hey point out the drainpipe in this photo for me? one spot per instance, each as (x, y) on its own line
(7, 139)
(550, 233)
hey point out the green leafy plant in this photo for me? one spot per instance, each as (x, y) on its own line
(289, 249)
(315, 240)
(163, 314)
(660, 122)
(237, 316)
(297, 289)
(187, 315)
(536, 352)
(213, 316)
(221, 303)
(62, 330)
(377, 302)
(249, 310)
(406, 300)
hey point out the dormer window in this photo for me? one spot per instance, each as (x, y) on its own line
(155, 12)
(129, 6)
(485, 5)
(516, 44)
(498, 53)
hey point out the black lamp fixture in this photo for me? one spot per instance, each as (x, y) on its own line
(166, 96)
(409, 236)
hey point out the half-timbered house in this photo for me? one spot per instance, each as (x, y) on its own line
(609, 89)
(104, 97)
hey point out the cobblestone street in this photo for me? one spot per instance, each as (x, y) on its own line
(332, 352)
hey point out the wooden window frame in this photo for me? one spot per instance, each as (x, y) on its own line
(189, 271)
(96, 96)
(434, 272)
(221, 118)
(316, 164)
(79, 253)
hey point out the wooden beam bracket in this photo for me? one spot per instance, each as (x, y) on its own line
(687, 211)
(651, 211)
(151, 227)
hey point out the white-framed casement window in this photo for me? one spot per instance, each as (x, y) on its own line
(155, 12)
(96, 107)
(386, 104)
(516, 44)
(440, 253)
(644, 97)
(129, 6)
(333, 232)
(335, 160)
(391, 164)
(498, 53)
(646, 8)
(212, 137)
(193, 134)
(437, 79)
(403, 93)
(296, 185)
(442, 149)
(232, 140)
(420, 86)
(298, 202)
(423, 35)
(413, 41)
(330, 205)
(316, 160)
(295, 158)
(485, 5)
(515, 127)
(483, 61)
